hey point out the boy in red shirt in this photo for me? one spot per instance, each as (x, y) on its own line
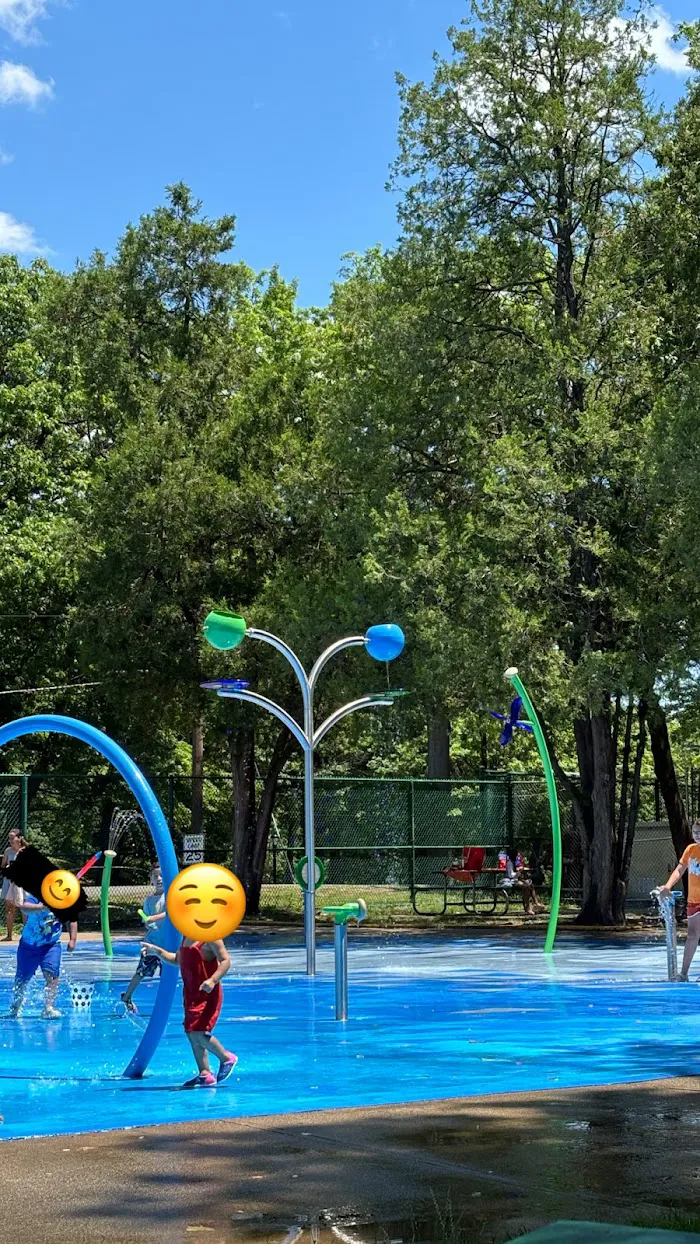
(689, 860)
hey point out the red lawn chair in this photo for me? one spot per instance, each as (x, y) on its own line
(472, 864)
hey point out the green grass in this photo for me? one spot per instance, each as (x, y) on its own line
(387, 907)
(671, 1220)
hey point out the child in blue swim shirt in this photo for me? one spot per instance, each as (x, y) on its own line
(40, 947)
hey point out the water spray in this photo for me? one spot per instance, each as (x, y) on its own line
(122, 820)
(667, 911)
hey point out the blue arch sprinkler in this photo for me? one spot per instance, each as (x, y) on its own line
(224, 631)
(162, 841)
(531, 724)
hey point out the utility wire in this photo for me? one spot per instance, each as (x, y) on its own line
(66, 686)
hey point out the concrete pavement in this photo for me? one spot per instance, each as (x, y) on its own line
(462, 1170)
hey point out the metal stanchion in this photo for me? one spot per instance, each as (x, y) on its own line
(341, 915)
(225, 631)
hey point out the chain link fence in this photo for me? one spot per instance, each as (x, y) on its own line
(380, 839)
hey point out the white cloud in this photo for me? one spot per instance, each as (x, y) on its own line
(20, 85)
(668, 54)
(19, 18)
(18, 238)
(659, 40)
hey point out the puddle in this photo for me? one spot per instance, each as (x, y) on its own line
(332, 1227)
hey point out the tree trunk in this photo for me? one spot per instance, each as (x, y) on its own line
(438, 745)
(251, 823)
(624, 786)
(197, 776)
(284, 746)
(667, 778)
(242, 752)
(593, 800)
(582, 803)
(603, 847)
(597, 763)
(627, 829)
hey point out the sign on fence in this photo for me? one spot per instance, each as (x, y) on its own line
(193, 849)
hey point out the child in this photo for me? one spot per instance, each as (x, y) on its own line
(689, 860)
(148, 964)
(11, 893)
(517, 875)
(202, 996)
(40, 947)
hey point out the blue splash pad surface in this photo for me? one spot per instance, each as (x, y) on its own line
(430, 1017)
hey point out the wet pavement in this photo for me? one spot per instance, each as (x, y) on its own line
(467, 1169)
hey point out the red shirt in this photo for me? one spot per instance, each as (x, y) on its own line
(201, 1009)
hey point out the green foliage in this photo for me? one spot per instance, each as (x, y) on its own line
(44, 471)
(490, 437)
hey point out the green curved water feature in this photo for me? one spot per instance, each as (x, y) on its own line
(543, 750)
(104, 903)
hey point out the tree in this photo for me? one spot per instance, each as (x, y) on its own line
(667, 235)
(44, 471)
(408, 497)
(188, 510)
(517, 166)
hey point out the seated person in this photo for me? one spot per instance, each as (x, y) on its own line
(516, 874)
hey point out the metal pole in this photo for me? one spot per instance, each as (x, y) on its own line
(412, 818)
(510, 842)
(340, 645)
(310, 850)
(341, 971)
(308, 742)
(365, 701)
(23, 805)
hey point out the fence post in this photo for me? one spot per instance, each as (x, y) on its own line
(412, 818)
(23, 805)
(509, 811)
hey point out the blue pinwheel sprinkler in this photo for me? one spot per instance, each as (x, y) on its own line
(511, 722)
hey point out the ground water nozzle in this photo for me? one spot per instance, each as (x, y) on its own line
(348, 911)
(341, 915)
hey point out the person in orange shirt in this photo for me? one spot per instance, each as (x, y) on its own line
(689, 860)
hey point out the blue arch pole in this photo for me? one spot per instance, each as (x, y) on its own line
(162, 841)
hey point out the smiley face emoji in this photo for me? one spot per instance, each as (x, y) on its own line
(60, 889)
(205, 902)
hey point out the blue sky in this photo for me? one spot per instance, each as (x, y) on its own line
(284, 113)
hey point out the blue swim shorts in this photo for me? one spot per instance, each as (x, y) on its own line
(148, 965)
(29, 958)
